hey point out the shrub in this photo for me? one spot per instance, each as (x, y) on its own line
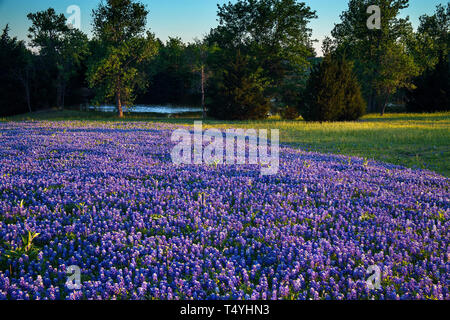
(238, 92)
(289, 113)
(333, 93)
(432, 91)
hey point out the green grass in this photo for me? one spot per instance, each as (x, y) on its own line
(411, 140)
(57, 115)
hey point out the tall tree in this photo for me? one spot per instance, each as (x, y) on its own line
(47, 33)
(370, 49)
(333, 92)
(60, 47)
(432, 39)
(24, 71)
(275, 32)
(173, 75)
(437, 27)
(431, 90)
(397, 69)
(119, 27)
(16, 71)
(238, 92)
(198, 53)
(74, 51)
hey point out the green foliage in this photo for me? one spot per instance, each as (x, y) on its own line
(47, 31)
(118, 20)
(15, 72)
(432, 89)
(432, 39)
(238, 93)
(61, 48)
(274, 32)
(27, 247)
(365, 216)
(333, 93)
(371, 50)
(119, 28)
(74, 51)
(397, 69)
(117, 74)
(172, 72)
(275, 41)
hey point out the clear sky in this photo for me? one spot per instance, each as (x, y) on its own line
(187, 19)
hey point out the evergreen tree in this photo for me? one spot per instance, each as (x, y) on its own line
(374, 51)
(275, 32)
(354, 105)
(16, 75)
(238, 93)
(333, 92)
(432, 92)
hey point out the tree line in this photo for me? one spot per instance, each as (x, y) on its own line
(260, 59)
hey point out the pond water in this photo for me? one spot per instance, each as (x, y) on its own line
(162, 109)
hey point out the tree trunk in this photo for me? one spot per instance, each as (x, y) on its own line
(63, 96)
(203, 92)
(27, 93)
(119, 104)
(118, 96)
(383, 107)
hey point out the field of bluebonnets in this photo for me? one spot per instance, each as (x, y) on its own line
(107, 198)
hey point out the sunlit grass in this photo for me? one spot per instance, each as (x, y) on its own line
(412, 140)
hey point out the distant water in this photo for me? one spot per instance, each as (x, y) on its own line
(163, 109)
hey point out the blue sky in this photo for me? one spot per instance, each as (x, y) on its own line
(184, 18)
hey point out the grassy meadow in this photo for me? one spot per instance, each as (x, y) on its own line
(412, 140)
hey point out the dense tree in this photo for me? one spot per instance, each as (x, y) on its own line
(61, 48)
(260, 56)
(198, 53)
(119, 28)
(238, 92)
(47, 31)
(333, 92)
(170, 72)
(371, 49)
(397, 69)
(46, 34)
(179, 73)
(275, 32)
(74, 51)
(431, 89)
(437, 28)
(16, 75)
(432, 39)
